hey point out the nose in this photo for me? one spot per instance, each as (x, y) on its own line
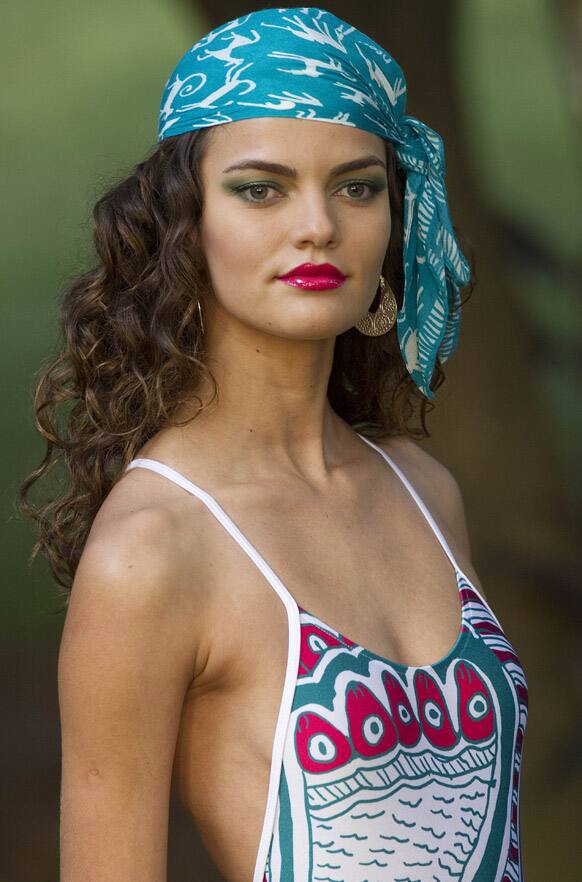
(315, 221)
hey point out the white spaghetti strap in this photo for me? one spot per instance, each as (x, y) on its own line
(434, 526)
(293, 645)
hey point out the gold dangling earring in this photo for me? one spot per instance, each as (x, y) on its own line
(373, 324)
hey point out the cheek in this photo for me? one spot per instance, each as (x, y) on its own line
(373, 237)
(239, 259)
(364, 235)
(219, 241)
(231, 244)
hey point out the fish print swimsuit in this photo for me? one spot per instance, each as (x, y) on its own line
(384, 772)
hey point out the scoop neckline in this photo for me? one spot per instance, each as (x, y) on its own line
(461, 637)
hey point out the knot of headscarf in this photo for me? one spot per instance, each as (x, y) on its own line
(434, 267)
(307, 63)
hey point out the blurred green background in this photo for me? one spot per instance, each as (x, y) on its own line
(502, 81)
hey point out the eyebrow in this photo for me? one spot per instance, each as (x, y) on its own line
(286, 171)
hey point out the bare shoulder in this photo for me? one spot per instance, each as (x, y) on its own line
(440, 491)
(139, 565)
(130, 573)
(147, 522)
(425, 471)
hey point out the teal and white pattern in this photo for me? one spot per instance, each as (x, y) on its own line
(402, 774)
(307, 63)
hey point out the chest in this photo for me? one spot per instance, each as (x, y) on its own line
(371, 567)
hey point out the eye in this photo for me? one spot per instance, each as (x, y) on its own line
(404, 713)
(321, 748)
(433, 714)
(261, 188)
(373, 189)
(373, 729)
(478, 706)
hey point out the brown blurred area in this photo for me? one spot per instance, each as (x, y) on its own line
(492, 428)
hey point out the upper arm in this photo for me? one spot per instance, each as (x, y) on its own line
(125, 663)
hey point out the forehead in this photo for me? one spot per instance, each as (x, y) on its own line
(288, 140)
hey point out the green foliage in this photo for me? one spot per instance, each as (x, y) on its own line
(519, 110)
(518, 103)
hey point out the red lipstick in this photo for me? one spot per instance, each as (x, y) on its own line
(314, 276)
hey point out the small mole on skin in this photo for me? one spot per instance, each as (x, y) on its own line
(94, 773)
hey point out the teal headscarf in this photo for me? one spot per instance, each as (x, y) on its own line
(307, 63)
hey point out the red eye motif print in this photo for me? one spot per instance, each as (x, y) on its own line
(475, 704)
(314, 641)
(436, 722)
(407, 725)
(371, 729)
(320, 746)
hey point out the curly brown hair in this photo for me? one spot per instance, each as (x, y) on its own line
(132, 347)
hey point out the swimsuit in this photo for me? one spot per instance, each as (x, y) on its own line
(383, 772)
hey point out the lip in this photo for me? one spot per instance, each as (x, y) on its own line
(314, 276)
(313, 283)
(314, 270)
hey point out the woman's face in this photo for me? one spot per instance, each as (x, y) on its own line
(253, 234)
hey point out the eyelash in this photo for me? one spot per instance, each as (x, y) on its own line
(375, 188)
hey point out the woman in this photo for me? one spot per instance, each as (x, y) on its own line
(280, 273)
